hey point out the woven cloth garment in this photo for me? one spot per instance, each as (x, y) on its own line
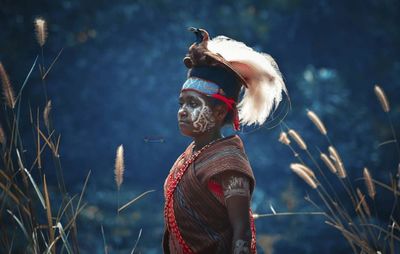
(202, 220)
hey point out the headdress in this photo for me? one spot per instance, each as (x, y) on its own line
(222, 67)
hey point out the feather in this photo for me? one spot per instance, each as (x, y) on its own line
(264, 82)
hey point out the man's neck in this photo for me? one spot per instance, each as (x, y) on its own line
(205, 139)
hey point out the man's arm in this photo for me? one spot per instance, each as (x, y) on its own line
(237, 200)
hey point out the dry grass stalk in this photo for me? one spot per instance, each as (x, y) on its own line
(368, 182)
(382, 98)
(398, 175)
(328, 163)
(2, 136)
(8, 91)
(298, 139)
(7, 191)
(48, 213)
(57, 146)
(283, 138)
(363, 203)
(38, 149)
(119, 166)
(13, 184)
(41, 31)
(315, 119)
(296, 168)
(341, 171)
(46, 113)
(352, 238)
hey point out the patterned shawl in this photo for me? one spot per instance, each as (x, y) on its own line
(195, 221)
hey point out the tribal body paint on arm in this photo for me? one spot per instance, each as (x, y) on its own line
(236, 190)
(233, 190)
(235, 185)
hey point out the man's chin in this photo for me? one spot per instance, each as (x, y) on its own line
(185, 131)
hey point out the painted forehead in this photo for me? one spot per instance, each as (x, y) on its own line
(187, 95)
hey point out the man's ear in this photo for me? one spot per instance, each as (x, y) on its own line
(220, 112)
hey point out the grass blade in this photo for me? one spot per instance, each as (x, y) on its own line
(36, 188)
(104, 240)
(27, 77)
(64, 238)
(23, 86)
(20, 224)
(137, 240)
(48, 251)
(51, 65)
(83, 189)
(32, 181)
(134, 200)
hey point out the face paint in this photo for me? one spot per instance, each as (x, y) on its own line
(194, 115)
(202, 117)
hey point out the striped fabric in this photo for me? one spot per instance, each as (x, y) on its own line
(202, 219)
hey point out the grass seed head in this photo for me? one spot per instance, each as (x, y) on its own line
(283, 138)
(328, 163)
(382, 98)
(369, 183)
(303, 174)
(119, 166)
(317, 122)
(41, 31)
(341, 171)
(293, 134)
(8, 91)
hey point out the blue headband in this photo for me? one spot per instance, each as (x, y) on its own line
(202, 86)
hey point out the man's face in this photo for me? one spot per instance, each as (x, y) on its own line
(195, 115)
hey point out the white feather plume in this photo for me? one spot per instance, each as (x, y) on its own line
(264, 80)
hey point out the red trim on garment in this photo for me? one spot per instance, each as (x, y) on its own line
(215, 187)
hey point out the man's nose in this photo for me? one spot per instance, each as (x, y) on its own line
(182, 113)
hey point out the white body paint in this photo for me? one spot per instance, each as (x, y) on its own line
(202, 118)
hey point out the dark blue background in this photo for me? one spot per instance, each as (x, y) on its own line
(120, 73)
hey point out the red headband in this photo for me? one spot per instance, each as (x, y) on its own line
(231, 104)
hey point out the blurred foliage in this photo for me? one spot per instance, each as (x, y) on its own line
(121, 69)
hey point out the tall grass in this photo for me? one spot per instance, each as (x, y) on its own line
(33, 217)
(358, 222)
(29, 219)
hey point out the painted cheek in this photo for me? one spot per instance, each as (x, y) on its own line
(197, 112)
(194, 114)
(205, 120)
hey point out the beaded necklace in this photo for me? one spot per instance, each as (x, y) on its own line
(173, 179)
